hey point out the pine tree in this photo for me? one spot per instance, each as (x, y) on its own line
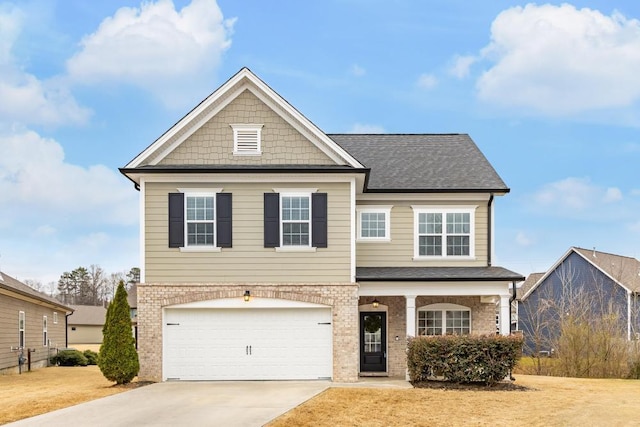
(118, 358)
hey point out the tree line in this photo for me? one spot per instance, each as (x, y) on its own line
(87, 286)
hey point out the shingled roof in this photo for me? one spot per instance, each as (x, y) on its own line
(422, 162)
(438, 274)
(14, 285)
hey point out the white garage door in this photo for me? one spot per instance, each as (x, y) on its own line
(247, 344)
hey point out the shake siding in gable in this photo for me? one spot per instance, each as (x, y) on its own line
(248, 261)
(400, 251)
(212, 144)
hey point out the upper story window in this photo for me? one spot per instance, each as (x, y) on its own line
(444, 319)
(247, 139)
(55, 317)
(444, 232)
(374, 223)
(296, 220)
(200, 219)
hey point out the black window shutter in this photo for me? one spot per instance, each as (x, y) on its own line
(271, 220)
(319, 220)
(223, 217)
(176, 220)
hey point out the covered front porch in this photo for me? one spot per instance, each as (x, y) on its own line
(396, 303)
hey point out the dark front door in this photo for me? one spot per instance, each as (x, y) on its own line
(373, 342)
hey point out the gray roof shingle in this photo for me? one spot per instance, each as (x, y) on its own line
(432, 274)
(88, 315)
(432, 162)
(15, 285)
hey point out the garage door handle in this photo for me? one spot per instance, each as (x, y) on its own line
(247, 350)
(324, 323)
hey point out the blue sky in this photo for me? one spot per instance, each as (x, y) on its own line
(550, 92)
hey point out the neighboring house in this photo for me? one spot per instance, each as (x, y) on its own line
(585, 281)
(271, 250)
(85, 324)
(31, 323)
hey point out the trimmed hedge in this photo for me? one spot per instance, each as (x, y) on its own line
(69, 358)
(463, 358)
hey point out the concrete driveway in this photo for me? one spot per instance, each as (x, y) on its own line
(246, 403)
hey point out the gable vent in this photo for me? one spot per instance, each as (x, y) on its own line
(247, 139)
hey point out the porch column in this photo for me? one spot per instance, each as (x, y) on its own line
(505, 310)
(411, 315)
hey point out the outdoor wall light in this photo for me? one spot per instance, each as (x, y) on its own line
(375, 303)
(247, 296)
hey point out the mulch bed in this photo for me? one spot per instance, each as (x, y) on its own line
(132, 385)
(447, 385)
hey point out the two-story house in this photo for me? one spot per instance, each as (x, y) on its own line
(271, 250)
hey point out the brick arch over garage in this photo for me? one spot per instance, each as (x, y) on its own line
(215, 293)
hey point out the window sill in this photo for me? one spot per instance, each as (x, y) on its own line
(295, 249)
(200, 249)
(444, 258)
(373, 240)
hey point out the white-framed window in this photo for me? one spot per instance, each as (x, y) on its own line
(55, 317)
(374, 223)
(21, 328)
(247, 139)
(444, 319)
(200, 218)
(444, 232)
(295, 219)
(45, 331)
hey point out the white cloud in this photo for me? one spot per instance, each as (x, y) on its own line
(366, 128)
(427, 81)
(559, 60)
(357, 70)
(26, 99)
(461, 66)
(579, 198)
(37, 182)
(165, 51)
(523, 240)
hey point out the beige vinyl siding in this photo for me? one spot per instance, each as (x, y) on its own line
(212, 143)
(248, 261)
(85, 334)
(399, 252)
(9, 309)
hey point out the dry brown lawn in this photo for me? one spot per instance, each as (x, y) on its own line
(47, 389)
(551, 401)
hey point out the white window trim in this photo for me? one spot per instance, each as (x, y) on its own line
(22, 318)
(444, 210)
(55, 317)
(247, 127)
(45, 331)
(386, 210)
(443, 308)
(295, 248)
(200, 192)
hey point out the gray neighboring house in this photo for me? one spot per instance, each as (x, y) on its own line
(31, 323)
(611, 280)
(85, 324)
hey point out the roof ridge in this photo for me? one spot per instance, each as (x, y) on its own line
(399, 134)
(606, 253)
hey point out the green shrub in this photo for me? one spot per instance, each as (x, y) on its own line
(463, 358)
(92, 357)
(118, 358)
(69, 358)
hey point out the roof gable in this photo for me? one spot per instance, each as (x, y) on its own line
(423, 162)
(242, 81)
(88, 315)
(624, 271)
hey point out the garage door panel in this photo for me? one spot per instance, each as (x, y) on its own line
(232, 344)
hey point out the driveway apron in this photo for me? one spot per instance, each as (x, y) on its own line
(243, 403)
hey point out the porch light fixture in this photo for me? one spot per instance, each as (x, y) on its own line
(247, 296)
(375, 303)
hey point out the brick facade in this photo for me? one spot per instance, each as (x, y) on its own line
(342, 298)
